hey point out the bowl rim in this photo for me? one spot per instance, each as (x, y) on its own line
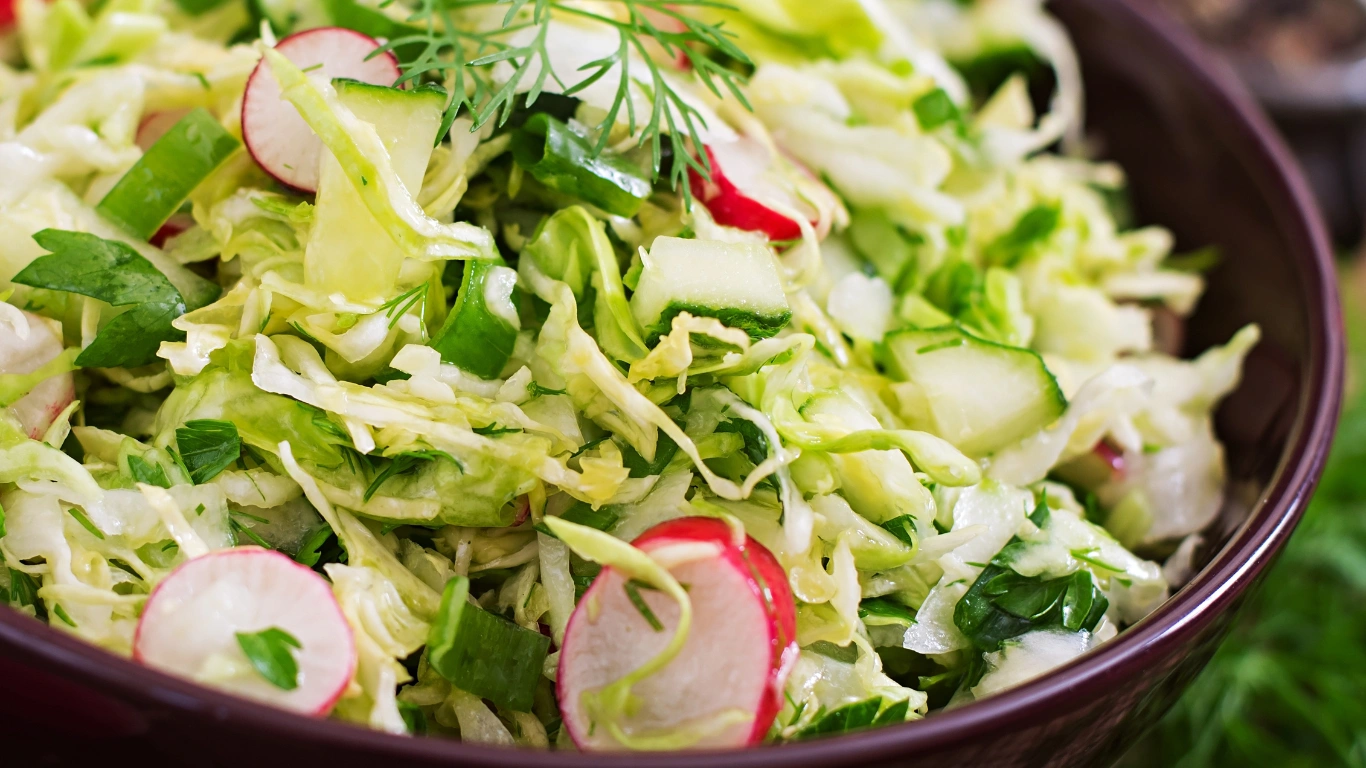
(1180, 619)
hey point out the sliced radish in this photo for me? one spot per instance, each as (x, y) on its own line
(26, 353)
(738, 651)
(155, 125)
(191, 622)
(742, 187)
(1112, 458)
(275, 134)
(175, 225)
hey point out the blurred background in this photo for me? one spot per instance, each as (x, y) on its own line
(1288, 688)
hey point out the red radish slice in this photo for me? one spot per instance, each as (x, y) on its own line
(190, 623)
(175, 225)
(1112, 458)
(36, 410)
(740, 180)
(155, 125)
(275, 134)
(737, 655)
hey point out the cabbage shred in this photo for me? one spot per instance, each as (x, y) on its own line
(896, 143)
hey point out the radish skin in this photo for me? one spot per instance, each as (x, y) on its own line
(26, 352)
(738, 187)
(276, 136)
(736, 658)
(190, 622)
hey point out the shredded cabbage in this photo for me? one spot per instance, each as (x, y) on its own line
(900, 185)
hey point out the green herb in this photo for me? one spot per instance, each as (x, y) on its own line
(60, 613)
(242, 530)
(665, 450)
(114, 273)
(582, 513)
(846, 654)
(535, 390)
(143, 471)
(310, 552)
(1034, 227)
(271, 652)
(485, 654)
(207, 447)
(468, 55)
(903, 528)
(1001, 604)
(404, 463)
(756, 442)
(397, 307)
(632, 588)
(2, 521)
(880, 611)
(936, 109)
(493, 430)
(23, 591)
(85, 522)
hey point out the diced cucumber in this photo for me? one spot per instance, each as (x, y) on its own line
(348, 251)
(481, 330)
(736, 283)
(160, 181)
(976, 394)
(485, 654)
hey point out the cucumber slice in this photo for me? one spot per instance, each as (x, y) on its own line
(348, 251)
(485, 654)
(481, 330)
(736, 283)
(160, 181)
(978, 395)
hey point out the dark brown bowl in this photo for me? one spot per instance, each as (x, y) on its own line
(1204, 162)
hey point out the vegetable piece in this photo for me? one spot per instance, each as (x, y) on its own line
(207, 447)
(742, 187)
(562, 159)
(35, 371)
(348, 251)
(269, 651)
(161, 180)
(731, 669)
(116, 274)
(156, 125)
(736, 283)
(978, 395)
(484, 654)
(275, 134)
(481, 330)
(220, 618)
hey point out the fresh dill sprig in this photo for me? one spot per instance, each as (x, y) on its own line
(399, 306)
(455, 51)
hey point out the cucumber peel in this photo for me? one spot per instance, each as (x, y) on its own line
(163, 178)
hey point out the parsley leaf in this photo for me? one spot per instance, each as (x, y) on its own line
(144, 471)
(269, 652)
(404, 463)
(207, 447)
(116, 274)
(1035, 226)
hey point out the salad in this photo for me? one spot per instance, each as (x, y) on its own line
(596, 374)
